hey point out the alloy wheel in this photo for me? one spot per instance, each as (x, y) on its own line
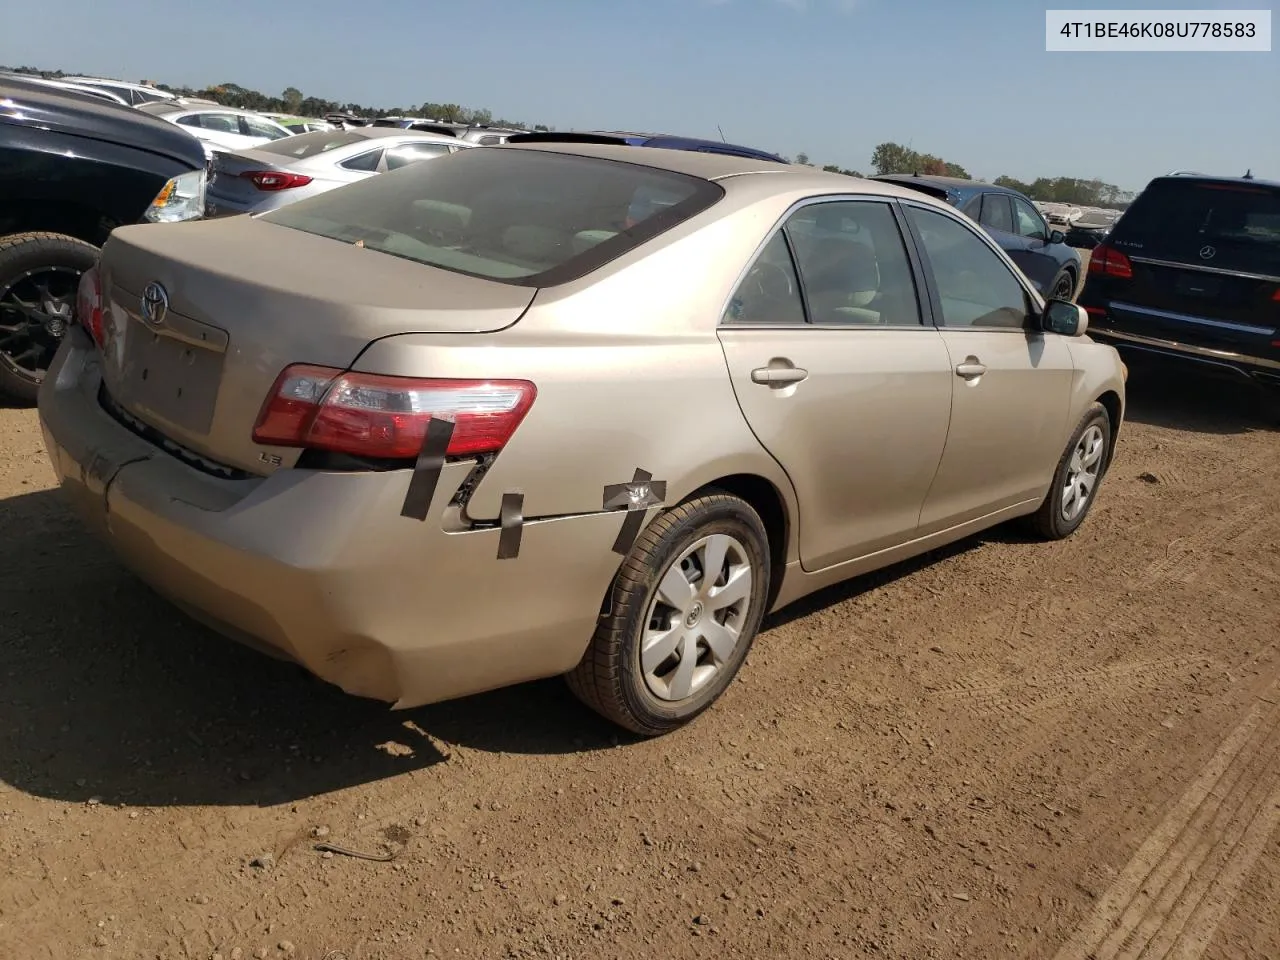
(36, 308)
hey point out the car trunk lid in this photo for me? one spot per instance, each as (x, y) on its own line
(227, 181)
(245, 298)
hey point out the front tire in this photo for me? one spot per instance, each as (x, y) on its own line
(1063, 286)
(39, 278)
(1077, 477)
(682, 614)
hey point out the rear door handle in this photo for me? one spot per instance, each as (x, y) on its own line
(778, 375)
(971, 369)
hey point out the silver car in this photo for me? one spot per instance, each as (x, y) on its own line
(279, 173)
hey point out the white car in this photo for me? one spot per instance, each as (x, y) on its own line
(218, 127)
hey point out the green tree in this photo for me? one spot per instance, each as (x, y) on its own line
(802, 159)
(292, 98)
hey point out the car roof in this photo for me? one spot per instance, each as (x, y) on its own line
(188, 106)
(77, 114)
(1214, 178)
(648, 140)
(379, 133)
(123, 83)
(725, 166)
(946, 183)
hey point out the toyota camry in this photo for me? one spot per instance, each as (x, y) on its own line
(563, 409)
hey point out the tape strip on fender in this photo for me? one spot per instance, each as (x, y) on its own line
(636, 497)
(426, 471)
(511, 520)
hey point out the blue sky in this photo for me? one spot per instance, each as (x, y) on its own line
(970, 82)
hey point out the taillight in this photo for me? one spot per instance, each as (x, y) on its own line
(1276, 296)
(89, 303)
(370, 415)
(275, 179)
(1106, 261)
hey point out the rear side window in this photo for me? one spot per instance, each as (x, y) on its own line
(996, 212)
(1235, 226)
(367, 161)
(516, 216)
(407, 153)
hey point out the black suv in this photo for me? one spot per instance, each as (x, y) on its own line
(1191, 272)
(72, 169)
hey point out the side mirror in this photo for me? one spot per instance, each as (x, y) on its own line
(1065, 318)
(1057, 236)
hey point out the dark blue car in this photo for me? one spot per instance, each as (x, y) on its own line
(662, 140)
(1014, 223)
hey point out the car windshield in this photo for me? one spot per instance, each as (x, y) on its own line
(518, 216)
(1176, 219)
(311, 144)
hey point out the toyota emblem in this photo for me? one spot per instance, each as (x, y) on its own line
(1208, 253)
(155, 304)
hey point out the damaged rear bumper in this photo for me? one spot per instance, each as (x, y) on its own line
(320, 567)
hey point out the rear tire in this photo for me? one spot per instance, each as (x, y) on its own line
(675, 634)
(1077, 478)
(39, 277)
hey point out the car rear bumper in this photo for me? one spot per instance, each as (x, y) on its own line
(320, 568)
(1261, 369)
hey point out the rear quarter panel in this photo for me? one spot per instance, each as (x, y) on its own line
(629, 371)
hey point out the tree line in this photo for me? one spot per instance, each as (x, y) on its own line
(886, 158)
(895, 158)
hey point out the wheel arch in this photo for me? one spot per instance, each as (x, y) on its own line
(76, 220)
(1114, 406)
(767, 500)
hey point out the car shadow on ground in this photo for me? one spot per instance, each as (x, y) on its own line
(107, 692)
(1161, 395)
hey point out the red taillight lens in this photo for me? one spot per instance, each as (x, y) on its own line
(1276, 296)
(275, 179)
(369, 415)
(89, 303)
(1105, 261)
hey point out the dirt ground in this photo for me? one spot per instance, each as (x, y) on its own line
(1006, 749)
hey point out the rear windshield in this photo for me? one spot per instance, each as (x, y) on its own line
(518, 216)
(310, 144)
(1181, 219)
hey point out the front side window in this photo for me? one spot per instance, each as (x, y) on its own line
(1027, 221)
(520, 216)
(770, 292)
(976, 287)
(853, 264)
(996, 213)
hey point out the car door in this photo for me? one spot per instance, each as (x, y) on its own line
(1033, 254)
(837, 375)
(1010, 385)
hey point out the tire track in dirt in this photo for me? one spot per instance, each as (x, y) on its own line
(1184, 557)
(1170, 898)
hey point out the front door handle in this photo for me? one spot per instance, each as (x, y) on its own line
(971, 369)
(780, 376)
